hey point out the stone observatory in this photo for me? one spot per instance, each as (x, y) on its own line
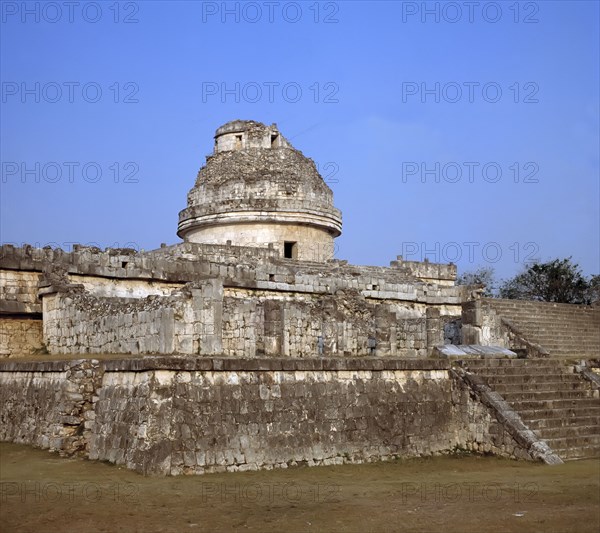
(257, 190)
(248, 346)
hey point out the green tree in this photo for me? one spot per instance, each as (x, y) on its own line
(483, 276)
(558, 280)
(593, 293)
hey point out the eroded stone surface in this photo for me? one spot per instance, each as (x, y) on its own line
(174, 415)
(257, 190)
(225, 300)
(462, 351)
(254, 276)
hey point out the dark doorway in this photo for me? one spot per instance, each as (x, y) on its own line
(290, 250)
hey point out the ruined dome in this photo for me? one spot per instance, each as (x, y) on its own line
(256, 190)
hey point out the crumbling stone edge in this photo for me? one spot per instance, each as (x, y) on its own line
(585, 369)
(533, 349)
(510, 419)
(186, 362)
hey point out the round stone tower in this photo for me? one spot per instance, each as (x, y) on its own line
(257, 190)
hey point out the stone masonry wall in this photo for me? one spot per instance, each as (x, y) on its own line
(312, 244)
(186, 322)
(269, 306)
(20, 335)
(18, 292)
(79, 323)
(194, 415)
(243, 327)
(444, 274)
(304, 325)
(482, 325)
(412, 336)
(207, 421)
(237, 266)
(20, 314)
(484, 432)
(46, 404)
(204, 318)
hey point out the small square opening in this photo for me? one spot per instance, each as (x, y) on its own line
(290, 250)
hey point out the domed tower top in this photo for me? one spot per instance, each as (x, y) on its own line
(256, 190)
(243, 134)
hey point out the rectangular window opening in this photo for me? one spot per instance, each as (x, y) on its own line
(274, 141)
(290, 250)
(238, 141)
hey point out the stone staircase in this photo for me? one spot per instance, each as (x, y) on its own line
(564, 330)
(554, 400)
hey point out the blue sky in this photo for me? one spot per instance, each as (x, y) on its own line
(397, 102)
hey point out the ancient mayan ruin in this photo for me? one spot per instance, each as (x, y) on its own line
(247, 345)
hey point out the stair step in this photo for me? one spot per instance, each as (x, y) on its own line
(543, 307)
(577, 343)
(567, 431)
(537, 381)
(562, 422)
(557, 365)
(572, 403)
(584, 312)
(579, 441)
(570, 350)
(520, 396)
(543, 322)
(502, 361)
(573, 454)
(557, 387)
(552, 332)
(559, 404)
(538, 374)
(566, 333)
(576, 316)
(559, 340)
(567, 352)
(542, 319)
(564, 413)
(573, 347)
